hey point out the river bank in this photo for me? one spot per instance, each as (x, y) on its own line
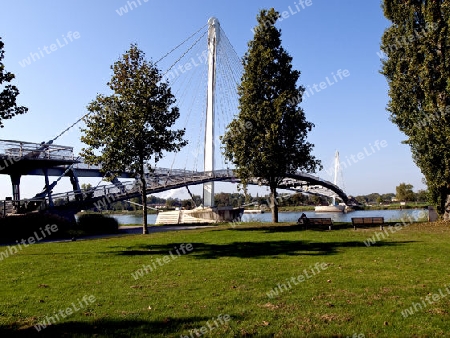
(389, 216)
(282, 209)
(393, 206)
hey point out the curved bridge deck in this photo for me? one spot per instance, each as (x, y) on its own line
(166, 179)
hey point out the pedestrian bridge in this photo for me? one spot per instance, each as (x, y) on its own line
(160, 180)
(209, 85)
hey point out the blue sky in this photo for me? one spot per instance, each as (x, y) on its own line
(325, 39)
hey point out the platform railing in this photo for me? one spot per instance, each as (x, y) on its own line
(20, 149)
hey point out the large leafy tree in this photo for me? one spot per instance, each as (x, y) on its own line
(404, 192)
(417, 68)
(131, 128)
(8, 105)
(267, 140)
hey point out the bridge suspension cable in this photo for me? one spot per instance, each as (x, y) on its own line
(190, 90)
(229, 73)
(184, 54)
(70, 127)
(189, 84)
(159, 60)
(179, 45)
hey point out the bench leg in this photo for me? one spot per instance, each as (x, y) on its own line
(329, 227)
(381, 227)
(354, 227)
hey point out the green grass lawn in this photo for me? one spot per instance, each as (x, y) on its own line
(220, 287)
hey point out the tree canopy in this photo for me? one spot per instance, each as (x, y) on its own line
(267, 140)
(417, 68)
(131, 128)
(404, 192)
(8, 96)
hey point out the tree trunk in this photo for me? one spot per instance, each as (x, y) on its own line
(446, 215)
(274, 204)
(144, 203)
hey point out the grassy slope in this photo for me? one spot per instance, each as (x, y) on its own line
(363, 290)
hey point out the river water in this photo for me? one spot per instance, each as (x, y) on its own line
(389, 216)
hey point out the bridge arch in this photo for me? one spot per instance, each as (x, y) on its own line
(165, 179)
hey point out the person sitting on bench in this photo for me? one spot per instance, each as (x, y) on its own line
(303, 219)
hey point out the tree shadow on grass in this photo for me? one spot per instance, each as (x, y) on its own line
(249, 249)
(300, 228)
(168, 327)
(278, 228)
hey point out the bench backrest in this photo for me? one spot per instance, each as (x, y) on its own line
(367, 220)
(320, 220)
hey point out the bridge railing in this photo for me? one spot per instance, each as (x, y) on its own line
(8, 207)
(82, 165)
(20, 149)
(163, 178)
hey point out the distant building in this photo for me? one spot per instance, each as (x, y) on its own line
(158, 206)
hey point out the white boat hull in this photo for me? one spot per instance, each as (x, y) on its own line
(329, 208)
(200, 215)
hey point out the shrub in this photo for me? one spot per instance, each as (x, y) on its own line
(19, 227)
(97, 224)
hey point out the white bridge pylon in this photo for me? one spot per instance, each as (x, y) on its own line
(213, 40)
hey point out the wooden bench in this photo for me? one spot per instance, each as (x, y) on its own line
(316, 221)
(367, 221)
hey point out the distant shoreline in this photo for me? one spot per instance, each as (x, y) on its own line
(300, 208)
